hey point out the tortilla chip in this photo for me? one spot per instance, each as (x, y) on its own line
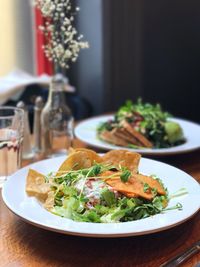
(91, 153)
(79, 160)
(125, 135)
(140, 137)
(123, 158)
(110, 137)
(152, 183)
(130, 195)
(36, 186)
(49, 203)
(132, 188)
(71, 150)
(105, 174)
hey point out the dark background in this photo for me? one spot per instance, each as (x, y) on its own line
(141, 48)
(172, 56)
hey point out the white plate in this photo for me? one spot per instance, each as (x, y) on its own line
(31, 210)
(86, 131)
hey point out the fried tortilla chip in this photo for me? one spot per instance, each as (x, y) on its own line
(91, 153)
(132, 188)
(110, 137)
(130, 195)
(123, 158)
(49, 203)
(152, 183)
(82, 158)
(36, 186)
(71, 150)
(140, 137)
(78, 160)
(125, 135)
(109, 173)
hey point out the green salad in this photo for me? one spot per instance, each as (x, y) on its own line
(100, 189)
(141, 125)
(82, 196)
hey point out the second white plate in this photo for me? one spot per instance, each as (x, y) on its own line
(87, 132)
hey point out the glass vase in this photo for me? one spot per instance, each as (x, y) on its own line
(56, 120)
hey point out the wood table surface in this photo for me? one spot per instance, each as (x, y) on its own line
(22, 244)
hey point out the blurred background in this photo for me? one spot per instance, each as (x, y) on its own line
(138, 48)
(17, 44)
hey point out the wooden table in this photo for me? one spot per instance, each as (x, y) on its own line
(24, 245)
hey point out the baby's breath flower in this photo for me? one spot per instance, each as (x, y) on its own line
(63, 43)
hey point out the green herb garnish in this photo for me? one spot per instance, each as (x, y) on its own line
(125, 176)
(146, 187)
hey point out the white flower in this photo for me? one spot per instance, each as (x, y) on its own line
(63, 43)
(48, 8)
(68, 54)
(59, 50)
(66, 21)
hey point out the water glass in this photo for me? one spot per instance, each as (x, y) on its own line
(11, 138)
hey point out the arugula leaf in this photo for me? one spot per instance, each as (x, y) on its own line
(114, 215)
(92, 216)
(108, 196)
(118, 214)
(101, 210)
(159, 202)
(96, 169)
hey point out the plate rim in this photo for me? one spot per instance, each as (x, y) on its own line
(98, 235)
(102, 235)
(146, 152)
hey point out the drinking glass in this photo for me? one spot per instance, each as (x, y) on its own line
(11, 138)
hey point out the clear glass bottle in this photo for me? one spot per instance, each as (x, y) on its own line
(56, 121)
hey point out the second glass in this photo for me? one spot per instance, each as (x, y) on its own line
(11, 138)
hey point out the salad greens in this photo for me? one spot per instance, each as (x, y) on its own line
(147, 119)
(82, 195)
